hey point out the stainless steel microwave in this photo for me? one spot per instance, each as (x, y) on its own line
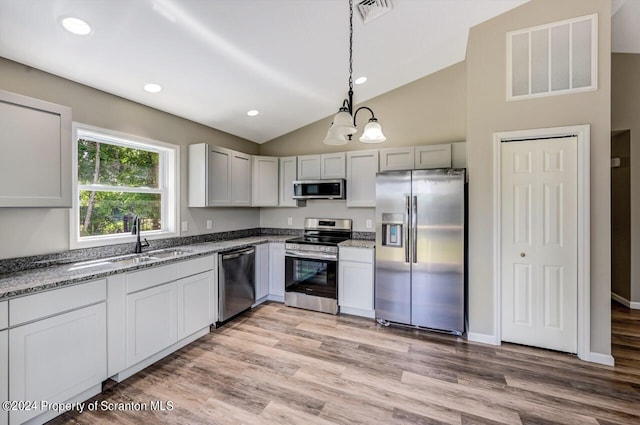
(319, 189)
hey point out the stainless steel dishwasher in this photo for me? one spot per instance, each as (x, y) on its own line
(236, 282)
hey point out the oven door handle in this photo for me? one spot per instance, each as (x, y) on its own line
(311, 255)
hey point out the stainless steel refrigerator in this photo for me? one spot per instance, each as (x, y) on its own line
(420, 248)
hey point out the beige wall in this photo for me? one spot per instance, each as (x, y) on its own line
(621, 215)
(625, 115)
(30, 231)
(430, 110)
(489, 112)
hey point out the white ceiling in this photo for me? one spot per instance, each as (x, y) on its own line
(216, 59)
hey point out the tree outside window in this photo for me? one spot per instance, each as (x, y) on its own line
(117, 180)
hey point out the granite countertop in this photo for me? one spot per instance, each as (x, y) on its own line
(40, 279)
(357, 243)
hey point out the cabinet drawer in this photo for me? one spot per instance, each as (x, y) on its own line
(142, 279)
(361, 255)
(4, 315)
(198, 265)
(48, 303)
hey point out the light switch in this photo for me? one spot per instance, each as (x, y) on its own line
(369, 224)
(209, 224)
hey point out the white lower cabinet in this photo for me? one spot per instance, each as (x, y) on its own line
(157, 310)
(262, 272)
(4, 374)
(195, 309)
(276, 271)
(57, 358)
(356, 281)
(151, 323)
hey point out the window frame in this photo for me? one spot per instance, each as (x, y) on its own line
(168, 187)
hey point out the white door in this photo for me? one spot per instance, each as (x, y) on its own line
(57, 358)
(539, 243)
(195, 301)
(276, 270)
(152, 323)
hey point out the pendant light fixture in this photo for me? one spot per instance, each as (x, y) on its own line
(343, 126)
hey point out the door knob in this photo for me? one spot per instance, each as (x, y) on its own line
(522, 254)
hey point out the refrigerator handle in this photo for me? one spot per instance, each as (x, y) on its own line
(406, 226)
(414, 228)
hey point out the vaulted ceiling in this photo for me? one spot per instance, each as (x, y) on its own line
(218, 59)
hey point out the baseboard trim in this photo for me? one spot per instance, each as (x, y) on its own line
(121, 376)
(482, 338)
(370, 314)
(625, 302)
(604, 359)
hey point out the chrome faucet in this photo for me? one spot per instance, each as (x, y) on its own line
(135, 230)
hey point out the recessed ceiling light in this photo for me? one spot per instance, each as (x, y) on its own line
(76, 26)
(361, 80)
(152, 87)
(253, 112)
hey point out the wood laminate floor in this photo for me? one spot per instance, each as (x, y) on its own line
(280, 365)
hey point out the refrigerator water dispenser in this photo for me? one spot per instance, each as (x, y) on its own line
(392, 234)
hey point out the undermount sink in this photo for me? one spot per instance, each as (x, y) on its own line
(134, 260)
(167, 253)
(131, 259)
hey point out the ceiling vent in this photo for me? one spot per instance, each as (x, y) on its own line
(372, 9)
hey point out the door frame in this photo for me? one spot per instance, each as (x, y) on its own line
(583, 134)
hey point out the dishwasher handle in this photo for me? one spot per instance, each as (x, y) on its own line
(235, 254)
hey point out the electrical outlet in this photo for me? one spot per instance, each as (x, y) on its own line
(209, 224)
(368, 224)
(290, 221)
(185, 226)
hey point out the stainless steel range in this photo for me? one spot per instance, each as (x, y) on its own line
(311, 265)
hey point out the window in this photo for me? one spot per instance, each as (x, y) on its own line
(119, 177)
(556, 58)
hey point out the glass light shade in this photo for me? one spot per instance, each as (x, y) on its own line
(343, 123)
(334, 138)
(372, 133)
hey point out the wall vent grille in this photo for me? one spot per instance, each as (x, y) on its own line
(553, 59)
(371, 9)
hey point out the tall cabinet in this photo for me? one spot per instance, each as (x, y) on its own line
(35, 165)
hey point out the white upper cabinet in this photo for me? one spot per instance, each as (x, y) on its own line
(240, 179)
(432, 156)
(325, 166)
(288, 174)
(362, 167)
(218, 177)
(332, 166)
(393, 159)
(415, 157)
(308, 167)
(35, 165)
(265, 181)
